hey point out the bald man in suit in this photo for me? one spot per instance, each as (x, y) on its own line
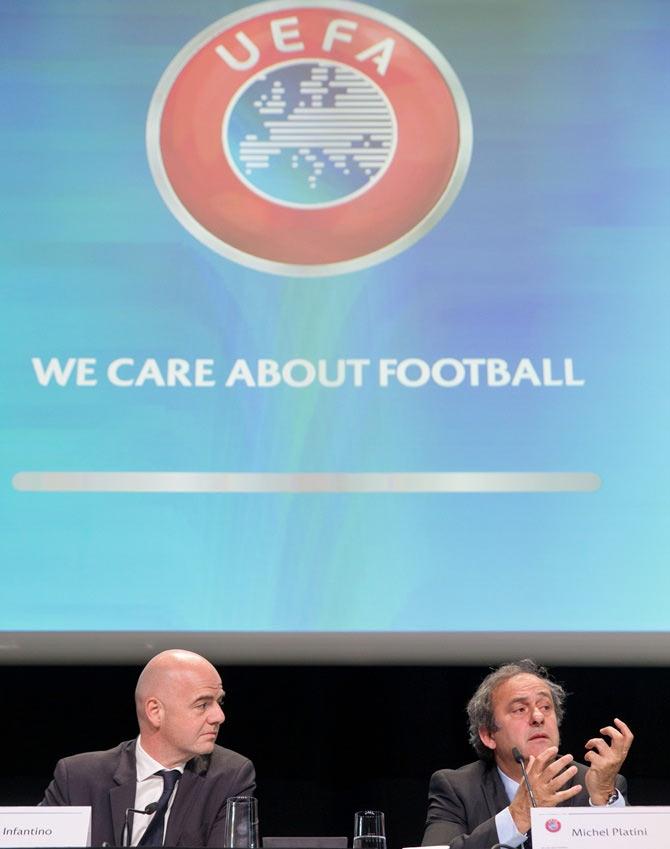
(174, 763)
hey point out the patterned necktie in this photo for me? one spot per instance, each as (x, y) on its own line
(153, 836)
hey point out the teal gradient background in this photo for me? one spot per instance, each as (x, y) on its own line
(557, 246)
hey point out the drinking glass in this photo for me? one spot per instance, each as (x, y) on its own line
(369, 832)
(241, 825)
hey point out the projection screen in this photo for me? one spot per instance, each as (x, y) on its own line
(335, 331)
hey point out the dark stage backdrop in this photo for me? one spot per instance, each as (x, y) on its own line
(326, 741)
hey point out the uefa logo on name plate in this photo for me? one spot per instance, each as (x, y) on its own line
(553, 825)
(309, 138)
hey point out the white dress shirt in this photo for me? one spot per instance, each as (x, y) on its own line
(148, 789)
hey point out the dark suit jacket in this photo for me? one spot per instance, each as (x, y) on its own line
(462, 804)
(107, 782)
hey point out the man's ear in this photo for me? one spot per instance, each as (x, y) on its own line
(153, 709)
(487, 738)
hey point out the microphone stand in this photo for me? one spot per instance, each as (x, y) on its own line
(518, 757)
(125, 835)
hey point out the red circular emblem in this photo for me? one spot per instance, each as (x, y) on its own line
(309, 138)
(553, 825)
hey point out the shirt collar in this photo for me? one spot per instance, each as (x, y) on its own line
(146, 766)
(510, 785)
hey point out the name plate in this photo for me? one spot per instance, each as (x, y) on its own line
(641, 827)
(45, 826)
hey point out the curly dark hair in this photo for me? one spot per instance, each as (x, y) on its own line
(480, 706)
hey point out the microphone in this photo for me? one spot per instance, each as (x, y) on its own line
(150, 809)
(518, 757)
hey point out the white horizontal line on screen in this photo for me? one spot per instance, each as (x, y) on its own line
(305, 482)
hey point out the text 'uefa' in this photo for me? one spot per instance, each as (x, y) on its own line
(286, 38)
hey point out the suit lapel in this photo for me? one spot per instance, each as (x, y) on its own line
(187, 790)
(496, 796)
(494, 792)
(122, 795)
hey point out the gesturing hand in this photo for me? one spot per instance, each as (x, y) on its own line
(605, 760)
(547, 774)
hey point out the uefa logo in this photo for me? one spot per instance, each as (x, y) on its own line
(553, 825)
(309, 138)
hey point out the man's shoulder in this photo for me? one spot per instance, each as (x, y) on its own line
(96, 769)
(109, 756)
(221, 760)
(227, 756)
(468, 774)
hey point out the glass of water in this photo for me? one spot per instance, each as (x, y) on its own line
(369, 831)
(241, 825)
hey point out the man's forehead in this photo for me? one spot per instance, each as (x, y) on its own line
(203, 678)
(521, 686)
(207, 692)
(207, 682)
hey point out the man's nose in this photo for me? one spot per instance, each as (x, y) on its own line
(537, 717)
(217, 715)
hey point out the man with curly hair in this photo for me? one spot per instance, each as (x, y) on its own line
(517, 710)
